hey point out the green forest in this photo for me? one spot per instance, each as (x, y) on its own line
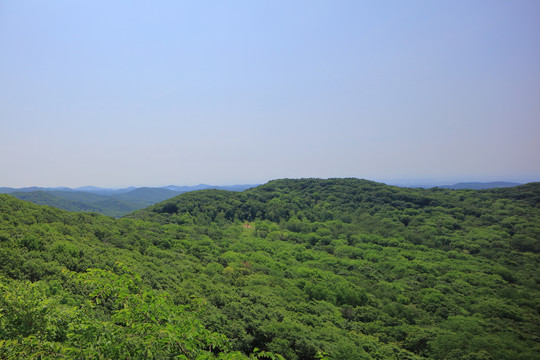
(110, 202)
(292, 269)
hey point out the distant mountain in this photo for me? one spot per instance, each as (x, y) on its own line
(117, 208)
(187, 188)
(107, 201)
(480, 185)
(237, 187)
(90, 188)
(45, 198)
(146, 195)
(183, 189)
(104, 191)
(77, 195)
(102, 204)
(8, 190)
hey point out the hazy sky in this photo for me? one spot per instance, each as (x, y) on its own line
(116, 93)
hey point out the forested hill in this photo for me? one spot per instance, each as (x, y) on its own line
(438, 218)
(111, 202)
(339, 268)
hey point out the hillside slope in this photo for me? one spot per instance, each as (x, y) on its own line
(349, 267)
(60, 202)
(437, 218)
(111, 202)
(146, 195)
(81, 202)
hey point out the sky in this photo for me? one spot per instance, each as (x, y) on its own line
(152, 93)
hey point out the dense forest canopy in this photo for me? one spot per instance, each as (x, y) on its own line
(338, 268)
(111, 202)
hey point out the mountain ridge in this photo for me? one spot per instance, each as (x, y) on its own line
(481, 185)
(106, 201)
(352, 268)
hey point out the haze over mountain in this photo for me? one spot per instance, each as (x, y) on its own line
(112, 202)
(480, 185)
(475, 185)
(119, 202)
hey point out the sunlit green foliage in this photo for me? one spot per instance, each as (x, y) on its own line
(340, 268)
(116, 318)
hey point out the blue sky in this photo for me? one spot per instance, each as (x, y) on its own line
(117, 93)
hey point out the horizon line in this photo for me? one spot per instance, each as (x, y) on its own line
(403, 182)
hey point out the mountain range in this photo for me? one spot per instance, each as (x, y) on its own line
(119, 202)
(107, 201)
(304, 269)
(480, 185)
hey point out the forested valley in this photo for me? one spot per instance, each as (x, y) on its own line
(293, 269)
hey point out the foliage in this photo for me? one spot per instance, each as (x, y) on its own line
(118, 319)
(81, 201)
(338, 268)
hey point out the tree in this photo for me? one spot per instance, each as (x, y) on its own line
(119, 319)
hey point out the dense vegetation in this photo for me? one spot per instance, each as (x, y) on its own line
(114, 204)
(111, 202)
(344, 267)
(110, 207)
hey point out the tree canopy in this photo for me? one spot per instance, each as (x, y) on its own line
(310, 268)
